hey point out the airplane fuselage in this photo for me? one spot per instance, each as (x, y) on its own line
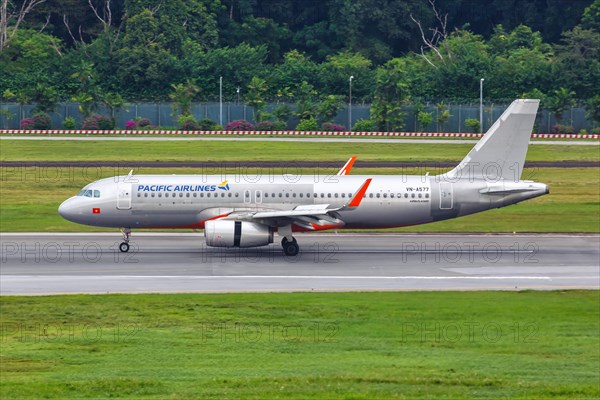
(188, 201)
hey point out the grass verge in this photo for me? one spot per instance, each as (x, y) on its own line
(306, 345)
(31, 196)
(263, 151)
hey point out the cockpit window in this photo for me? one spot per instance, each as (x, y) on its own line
(89, 193)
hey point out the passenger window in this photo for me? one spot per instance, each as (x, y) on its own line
(201, 194)
(152, 194)
(237, 194)
(412, 195)
(329, 195)
(222, 194)
(378, 195)
(229, 194)
(187, 195)
(207, 194)
(322, 195)
(301, 195)
(280, 195)
(336, 195)
(370, 195)
(392, 195)
(139, 195)
(195, 194)
(145, 194)
(420, 195)
(160, 195)
(287, 195)
(426, 195)
(343, 195)
(294, 195)
(385, 195)
(406, 195)
(180, 194)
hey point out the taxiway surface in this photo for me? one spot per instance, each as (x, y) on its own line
(38, 263)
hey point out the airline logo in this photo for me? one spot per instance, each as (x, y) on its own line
(224, 185)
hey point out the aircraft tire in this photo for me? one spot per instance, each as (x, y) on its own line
(291, 249)
(124, 247)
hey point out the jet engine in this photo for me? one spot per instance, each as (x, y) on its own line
(227, 233)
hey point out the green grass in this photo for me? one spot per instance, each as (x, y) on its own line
(309, 345)
(262, 151)
(31, 196)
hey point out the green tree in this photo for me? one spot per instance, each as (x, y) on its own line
(338, 69)
(182, 95)
(559, 101)
(307, 103)
(255, 97)
(147, 66)
(237, 65)
(329, 108)
(391, 94)
(443, 115)
(578, 61)
(591, 17)
(593, 109)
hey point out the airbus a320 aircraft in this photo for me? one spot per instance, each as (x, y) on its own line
(235, 212)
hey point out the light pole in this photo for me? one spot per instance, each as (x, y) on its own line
(350, 103)
(221, 100)
(238, 95)
(481, 105)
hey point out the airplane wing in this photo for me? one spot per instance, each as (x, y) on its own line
(311, 217)
(347, 167)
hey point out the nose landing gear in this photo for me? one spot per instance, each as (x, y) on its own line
(124, 247)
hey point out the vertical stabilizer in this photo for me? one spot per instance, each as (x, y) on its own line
(500, 154)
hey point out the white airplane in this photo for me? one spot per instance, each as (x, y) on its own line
(235, 212)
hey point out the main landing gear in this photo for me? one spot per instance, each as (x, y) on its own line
(290, 247)
(124, 247)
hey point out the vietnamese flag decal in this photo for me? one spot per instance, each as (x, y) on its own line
(95, 211)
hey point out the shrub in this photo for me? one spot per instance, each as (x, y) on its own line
(42, 121)
(27, 124)
(206, 124)
(595, 131)
(143, 123)
(239, 125)
(331, 127)
(309, 124)
(69, 123)
(473, 123)
(583, 132)
(563, 129)
(365, 125)
(187, 123)
(98, 122)
(190, 125)
(131, 125)
(264, 126)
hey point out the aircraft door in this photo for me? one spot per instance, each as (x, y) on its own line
(124, 196)
(446, 196)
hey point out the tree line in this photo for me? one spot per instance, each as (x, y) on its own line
(103, 52)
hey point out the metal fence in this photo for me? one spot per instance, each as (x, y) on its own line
(161, 114)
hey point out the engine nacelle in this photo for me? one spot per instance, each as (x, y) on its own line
(227, 233)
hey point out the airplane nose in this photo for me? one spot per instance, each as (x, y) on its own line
(66, 210)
